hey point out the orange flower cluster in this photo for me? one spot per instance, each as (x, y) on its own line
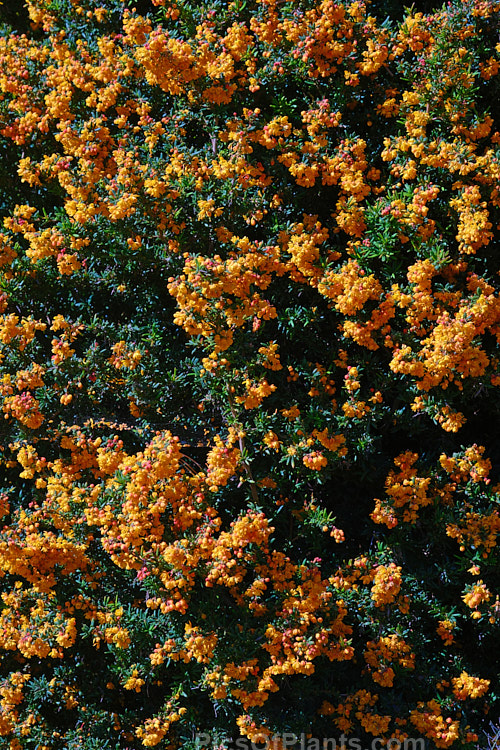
(405, 491)
(380, 654)
(428, 719)
(386, 584)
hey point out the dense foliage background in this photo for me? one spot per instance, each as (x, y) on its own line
(250, 361)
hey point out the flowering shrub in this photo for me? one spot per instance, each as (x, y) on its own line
(250, 360)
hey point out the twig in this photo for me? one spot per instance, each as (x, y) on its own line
(241, 442)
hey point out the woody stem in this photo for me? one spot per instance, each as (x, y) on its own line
(241, 443)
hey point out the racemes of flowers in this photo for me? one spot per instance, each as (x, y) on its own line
(249, 362)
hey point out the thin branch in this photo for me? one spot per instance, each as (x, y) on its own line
(241, 442)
